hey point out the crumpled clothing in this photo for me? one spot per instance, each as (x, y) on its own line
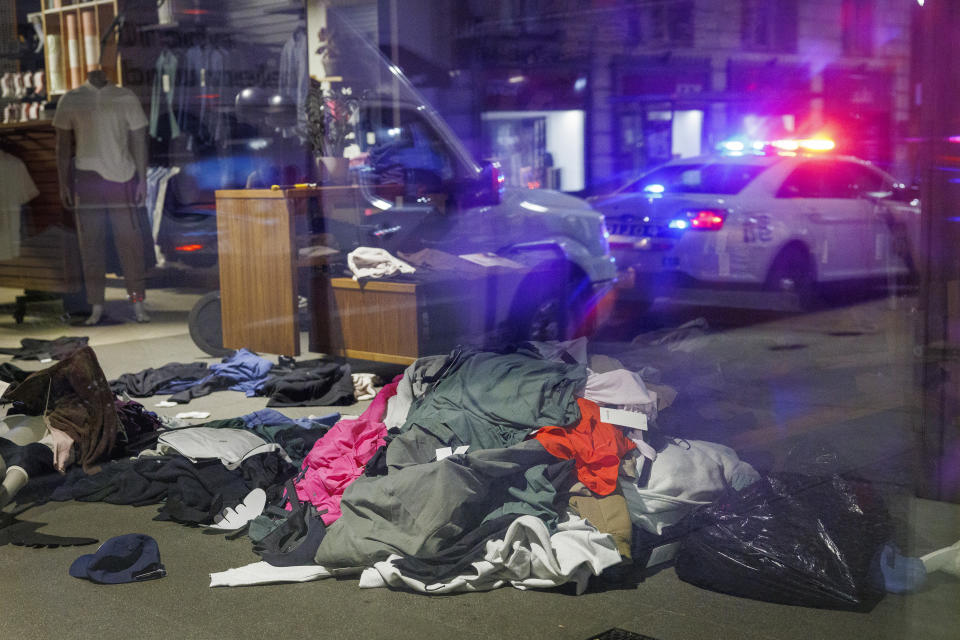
(372, 262)
(416, 379)
(266, 573)
(74, 396)
(230, 446)
(363, 386)
(242, 371)
(527, 557)
(338, 458)
(34, 349)
(596, 447)
(686, 474)
(308, 383)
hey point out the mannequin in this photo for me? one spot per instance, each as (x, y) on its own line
(24, 456)
(102, 169)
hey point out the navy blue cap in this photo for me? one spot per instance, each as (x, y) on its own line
(128, 558)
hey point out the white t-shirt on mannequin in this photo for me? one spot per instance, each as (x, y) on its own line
(101, 121)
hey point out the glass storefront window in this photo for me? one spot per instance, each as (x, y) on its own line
(653, 302)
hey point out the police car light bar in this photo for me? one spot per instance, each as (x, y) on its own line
(788, 145)
(811, 144)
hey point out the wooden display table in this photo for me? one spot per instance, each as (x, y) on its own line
(257, 235)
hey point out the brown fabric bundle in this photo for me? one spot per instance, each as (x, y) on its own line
(76, 399)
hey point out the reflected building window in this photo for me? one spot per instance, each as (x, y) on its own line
(769, 26)
(857, 24)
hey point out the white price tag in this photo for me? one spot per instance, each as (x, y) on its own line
(446, 452)
(619, 417)
(166, 83)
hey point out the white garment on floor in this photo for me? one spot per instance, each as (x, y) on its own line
(412, 386)
(371, 262)
(16, 189)
(265, 573)
(363, 386)
(231, 446)
(527, 558)
(686, 474)
(621, 388)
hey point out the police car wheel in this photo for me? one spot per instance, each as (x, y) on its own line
(792, 272)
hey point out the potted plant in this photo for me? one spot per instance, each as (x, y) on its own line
(330, 127)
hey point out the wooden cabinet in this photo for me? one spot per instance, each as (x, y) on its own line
(72, 47)
(394, 321)
(259, 233)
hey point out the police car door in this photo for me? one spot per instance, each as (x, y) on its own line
(888, 234)
(838, 223)
(405, 175)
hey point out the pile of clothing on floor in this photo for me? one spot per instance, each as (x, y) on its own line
(534, 467)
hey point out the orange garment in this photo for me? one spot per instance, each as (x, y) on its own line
(597, 447)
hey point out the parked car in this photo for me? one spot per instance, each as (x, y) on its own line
(784, 218)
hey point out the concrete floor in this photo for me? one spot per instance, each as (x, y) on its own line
(840, 377)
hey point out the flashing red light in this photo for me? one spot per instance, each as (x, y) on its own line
(195, 12)
(707, 220)
(187, 248)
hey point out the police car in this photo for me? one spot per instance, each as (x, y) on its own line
(785, 215)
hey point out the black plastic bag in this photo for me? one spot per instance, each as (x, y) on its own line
(791, 539)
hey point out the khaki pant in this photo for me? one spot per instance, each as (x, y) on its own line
(99, 202)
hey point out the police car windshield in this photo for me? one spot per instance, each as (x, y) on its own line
(700, 177)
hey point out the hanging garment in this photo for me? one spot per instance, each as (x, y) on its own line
(201, 92)
(16, 189)
(76, 399)
(162, 94)
(295, 75)
(338, 458)
(596, 447)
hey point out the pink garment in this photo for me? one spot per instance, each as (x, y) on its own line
(62, 445)
(339, 457)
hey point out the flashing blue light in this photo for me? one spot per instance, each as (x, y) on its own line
(678, 224)
(732, 145)
(654, 188)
